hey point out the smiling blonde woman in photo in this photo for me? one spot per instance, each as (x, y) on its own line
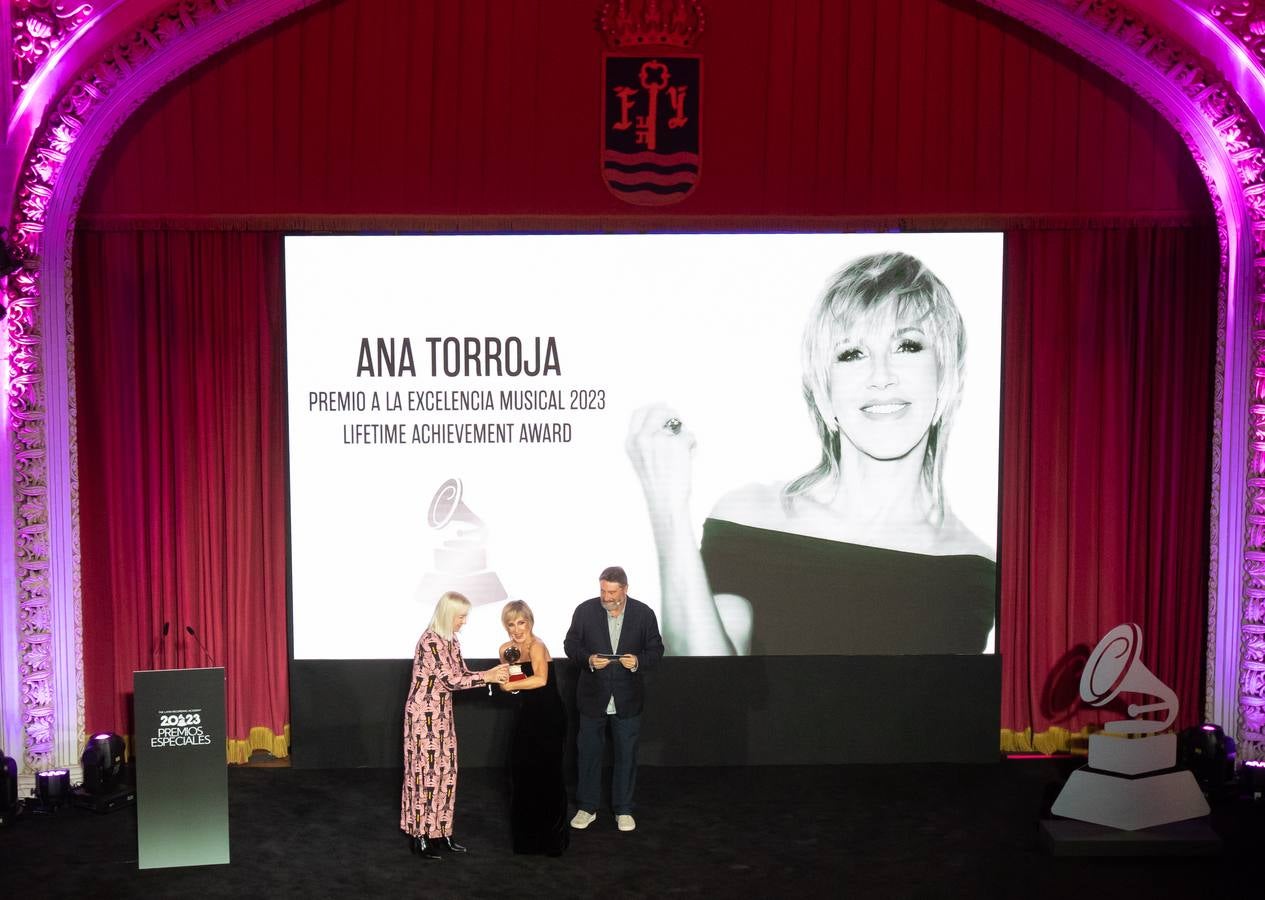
(862, 554)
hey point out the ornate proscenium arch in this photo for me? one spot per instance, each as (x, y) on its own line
(1224, 136)
(41, 649)
(44, 665)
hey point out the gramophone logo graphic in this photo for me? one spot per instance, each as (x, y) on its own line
(1131, 781)
(461, 560)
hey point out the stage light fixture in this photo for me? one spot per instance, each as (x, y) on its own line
(52, 789)
(105, 786)
(1209, 753)
(8, 789)
(1252, 776)
(103, 763)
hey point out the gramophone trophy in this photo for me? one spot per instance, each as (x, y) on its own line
(511, 656)
(461, 560)
(1131, 781)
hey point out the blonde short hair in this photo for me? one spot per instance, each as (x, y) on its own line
(450, 605)
(899, 287)
(514, 609)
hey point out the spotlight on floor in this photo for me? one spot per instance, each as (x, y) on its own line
(104, 785)
(1209, 754)
(52, 790)
(8, 789)
(103, 763)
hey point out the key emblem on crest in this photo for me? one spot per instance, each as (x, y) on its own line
(651, 152)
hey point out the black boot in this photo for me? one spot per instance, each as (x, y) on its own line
(449, 844)
(419, 846)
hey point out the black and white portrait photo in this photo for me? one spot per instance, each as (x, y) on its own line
(862, 553)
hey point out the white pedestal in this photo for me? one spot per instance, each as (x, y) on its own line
(1132, 755)
(1130, 803)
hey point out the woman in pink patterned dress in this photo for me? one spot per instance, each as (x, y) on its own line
(430, 742)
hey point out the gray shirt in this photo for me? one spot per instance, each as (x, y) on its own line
(614, 625)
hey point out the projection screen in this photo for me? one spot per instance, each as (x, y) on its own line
(507, 415)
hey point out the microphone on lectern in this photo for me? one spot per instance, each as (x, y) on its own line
(193, 634)
(158, 645)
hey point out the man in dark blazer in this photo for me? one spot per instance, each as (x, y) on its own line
(610, 691)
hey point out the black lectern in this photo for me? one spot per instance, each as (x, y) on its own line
(181, 768)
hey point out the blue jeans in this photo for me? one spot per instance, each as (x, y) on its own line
(590, 744)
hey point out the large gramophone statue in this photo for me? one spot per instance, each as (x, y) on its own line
(1131, 781)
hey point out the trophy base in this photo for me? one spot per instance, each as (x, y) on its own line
(480, 588)
(1130, 804)
(1068, 837)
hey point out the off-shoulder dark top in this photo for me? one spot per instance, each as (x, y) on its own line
(815, 596)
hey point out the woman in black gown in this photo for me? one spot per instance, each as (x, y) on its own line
(538, 799)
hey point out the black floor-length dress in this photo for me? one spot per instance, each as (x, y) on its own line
(538, 799)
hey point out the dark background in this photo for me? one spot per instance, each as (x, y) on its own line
(700, 711)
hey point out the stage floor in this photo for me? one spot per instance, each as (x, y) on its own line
(865, 831)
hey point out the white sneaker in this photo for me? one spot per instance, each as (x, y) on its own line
(625, 822)
(582, 819)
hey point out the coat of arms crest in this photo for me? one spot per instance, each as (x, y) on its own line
(651, 88)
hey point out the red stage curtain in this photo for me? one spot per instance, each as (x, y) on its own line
(180, 372)
(419, 114)
(1109, 355)
(1108, 363)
